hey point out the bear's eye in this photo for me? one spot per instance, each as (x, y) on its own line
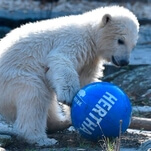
(120, 42)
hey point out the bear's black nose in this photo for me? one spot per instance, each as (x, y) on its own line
(124, 62)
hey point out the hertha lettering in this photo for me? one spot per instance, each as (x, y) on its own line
(98, 113)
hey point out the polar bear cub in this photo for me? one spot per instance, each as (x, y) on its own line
(47, 62)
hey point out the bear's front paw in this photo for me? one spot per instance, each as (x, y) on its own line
(66, 94)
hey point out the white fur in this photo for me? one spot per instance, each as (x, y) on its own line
(51, 60)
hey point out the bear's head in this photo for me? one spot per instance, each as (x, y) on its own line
(117, 35)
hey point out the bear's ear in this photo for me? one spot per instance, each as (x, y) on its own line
(106, 19)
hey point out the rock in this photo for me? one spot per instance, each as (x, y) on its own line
(135, 81)
(141, 55)
(141, 52)
(144, 35)
(146, 146)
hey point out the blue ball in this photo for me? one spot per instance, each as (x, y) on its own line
(97, 110)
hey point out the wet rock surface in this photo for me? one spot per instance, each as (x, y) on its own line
(135, 81)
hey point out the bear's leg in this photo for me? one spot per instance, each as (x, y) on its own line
(58, 116)
(32, 109)
(62, 77)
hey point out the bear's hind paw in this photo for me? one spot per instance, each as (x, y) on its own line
(46, 142)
